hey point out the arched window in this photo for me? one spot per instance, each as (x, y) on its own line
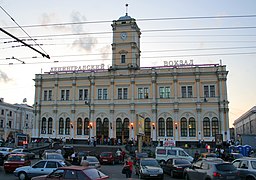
(43, 127)
(169, 127)
(161, 128)
(184, 127)
(126, 128)
(67, 126)
(147, 127)
(61, 126)
(119, 128)
(86, 126)
(215, 126)
(79, 126)
(192, 127)
(99, 128)
(105, 127)
(50, 125)
(206, 127)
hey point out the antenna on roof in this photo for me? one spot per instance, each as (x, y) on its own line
(126, 5)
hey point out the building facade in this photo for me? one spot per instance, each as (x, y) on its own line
(15, 119)
(246, 124)
(184, 102)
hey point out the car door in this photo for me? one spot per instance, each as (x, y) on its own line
(243, 168)
(192, 171)
(37, 169)
(202, 171)
(50, 167)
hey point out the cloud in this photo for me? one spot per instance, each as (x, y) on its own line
(4, 77)
(105, 51)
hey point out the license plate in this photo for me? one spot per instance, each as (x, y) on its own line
(105, 160)
(153, 175)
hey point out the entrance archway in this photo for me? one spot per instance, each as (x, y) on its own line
(102, 129)
(122, 130)
(147, 132)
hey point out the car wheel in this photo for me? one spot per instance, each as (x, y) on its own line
(172, 174)
(22, 176)
(186, 177)
(250, 178)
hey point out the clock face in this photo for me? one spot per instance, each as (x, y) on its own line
(123, 35)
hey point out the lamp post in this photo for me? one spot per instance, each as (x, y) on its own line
(88, 103)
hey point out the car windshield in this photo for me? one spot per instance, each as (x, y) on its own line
(17, 150)
(149, 163)
(15, 158)
(181, 161)
(141, 155)
(225, 167)
(94, 173)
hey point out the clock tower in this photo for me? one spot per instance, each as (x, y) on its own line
(126, 44)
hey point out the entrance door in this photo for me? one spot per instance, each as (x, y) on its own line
(122, 130)
(146, 139)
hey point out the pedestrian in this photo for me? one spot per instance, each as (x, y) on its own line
(196, 156)
(128, 166)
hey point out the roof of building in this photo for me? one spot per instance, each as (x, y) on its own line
(126, 17)
(245, 115)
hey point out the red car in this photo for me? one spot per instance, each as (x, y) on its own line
(108, 158)
(74, 173)
(16, 160)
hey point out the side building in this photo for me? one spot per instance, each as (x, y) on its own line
(184, 102)
(15, 119)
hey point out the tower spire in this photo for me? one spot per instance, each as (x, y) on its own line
(126, 11)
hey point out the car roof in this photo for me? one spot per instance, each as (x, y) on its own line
(147, 159)
(247, 158)
(14, 154)
(58, 160)
(76, 167)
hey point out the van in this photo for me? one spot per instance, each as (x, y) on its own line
(164, 153)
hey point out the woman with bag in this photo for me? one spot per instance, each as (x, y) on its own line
(127, 169)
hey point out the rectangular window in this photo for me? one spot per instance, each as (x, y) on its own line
(119, 93)
(11, 113)
(186, 92)
(164, 92)
(209, 90)
(105, 94)
(67, 95)
(99, 93)
(212, 91)
(80, 94)
(45, 95)
(125, 93)
(2, 112)
(62, 95)
(143, 93)
(123, 58)
(10, 124)
(50, 95)
(85, 94)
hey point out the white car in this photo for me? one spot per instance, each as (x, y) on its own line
(42, 167)
(5, 151)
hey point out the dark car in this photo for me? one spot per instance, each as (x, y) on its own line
(69, 150)
(1, 159)
(246, 167)
(211, 169)
(149, 168)
(108, 158)
(16, 160)
(74, 173)
(176, 166)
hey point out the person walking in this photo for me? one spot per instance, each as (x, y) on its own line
(129, 165)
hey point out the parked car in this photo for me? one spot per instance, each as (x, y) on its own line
(74, 173)
(16, 160)
(5, 151)
(232, 156)
(53, 156)
(211, 169)
(246, 167)
(82, 154)
(1, 159)
(208, 155)
(108, 158)
(176, 166)
(93, 162)
(42, 167)
(164, 153)
(30, 154)
(149, 168)
(69, 150)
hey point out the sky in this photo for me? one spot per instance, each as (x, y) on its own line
(79, 32)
